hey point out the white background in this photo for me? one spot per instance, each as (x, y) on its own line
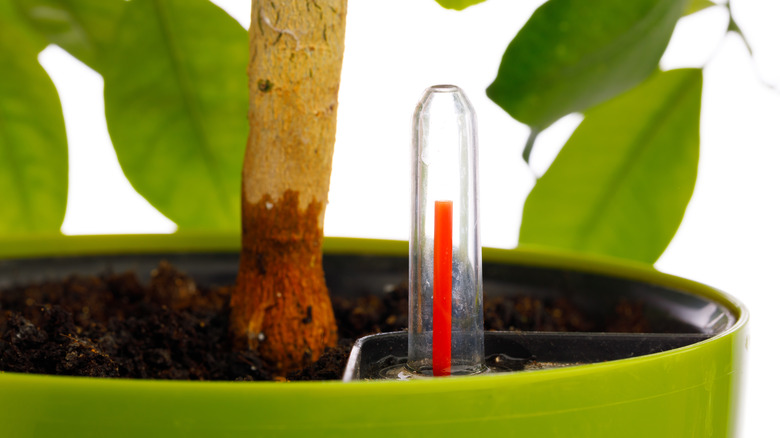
(729, 238)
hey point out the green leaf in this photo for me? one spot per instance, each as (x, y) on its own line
(84, 27)
(176, 104)
(621, 184)
(458, 5)
(33, 145)
(574, 54)
(695, 6)
(18, 27)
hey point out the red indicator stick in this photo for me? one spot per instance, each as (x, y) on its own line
(442, 289)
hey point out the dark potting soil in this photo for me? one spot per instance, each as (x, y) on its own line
(114, 326)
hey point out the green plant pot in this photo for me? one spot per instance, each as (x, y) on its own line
(689, 391)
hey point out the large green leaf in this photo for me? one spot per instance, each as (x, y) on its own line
(458, 4)
(33, 145)
(15, 26)
(622, 182)
(82, 27)
(573, 54)
(176, 104)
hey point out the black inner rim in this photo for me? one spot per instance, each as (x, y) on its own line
(677, 318)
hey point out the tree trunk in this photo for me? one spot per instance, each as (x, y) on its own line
(281, 304)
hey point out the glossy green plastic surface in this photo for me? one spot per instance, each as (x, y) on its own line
(686, 392)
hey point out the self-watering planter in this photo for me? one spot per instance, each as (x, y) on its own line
(682, 378)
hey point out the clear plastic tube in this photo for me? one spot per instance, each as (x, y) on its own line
(446, 335)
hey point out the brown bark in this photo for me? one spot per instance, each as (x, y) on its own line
(281, 304)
